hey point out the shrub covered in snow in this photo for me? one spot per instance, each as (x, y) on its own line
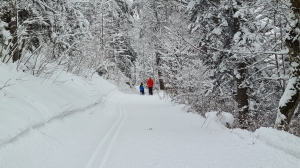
(223, 118)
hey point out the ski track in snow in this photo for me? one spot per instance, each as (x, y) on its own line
(103, 150)
(133, 131)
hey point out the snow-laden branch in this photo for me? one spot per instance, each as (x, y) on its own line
(282, 52)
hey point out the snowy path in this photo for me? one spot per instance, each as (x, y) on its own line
(133, 131)
(102, 152)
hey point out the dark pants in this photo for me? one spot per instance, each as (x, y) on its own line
(142, 92)
(150, 91)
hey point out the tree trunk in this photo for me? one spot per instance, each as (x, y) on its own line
(159, 72)
(291, 96)
(242, 97)
(13, 29)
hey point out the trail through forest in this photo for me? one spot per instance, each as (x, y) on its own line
(133, 131)
(68, 71)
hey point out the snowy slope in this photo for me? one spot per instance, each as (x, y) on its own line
(32, 101)
(123, 131)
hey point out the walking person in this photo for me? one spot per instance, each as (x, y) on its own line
(150, 84)
(142, 92)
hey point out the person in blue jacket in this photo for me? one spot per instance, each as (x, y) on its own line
(142, 92)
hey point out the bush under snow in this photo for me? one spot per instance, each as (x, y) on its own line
(223, 118)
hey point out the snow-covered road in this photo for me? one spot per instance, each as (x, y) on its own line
(133, 131)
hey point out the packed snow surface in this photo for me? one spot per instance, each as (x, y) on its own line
(125, 130)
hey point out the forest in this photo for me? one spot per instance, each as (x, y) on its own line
(236, 56)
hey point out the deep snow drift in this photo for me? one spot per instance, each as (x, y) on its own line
(86, 124)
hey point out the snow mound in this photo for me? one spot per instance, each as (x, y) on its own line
(280, 140)
(222, 118)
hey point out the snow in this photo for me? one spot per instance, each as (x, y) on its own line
(78, 123)
(223, 118)
(191, 4)
(278, 140)
(31, 101)
(5, 33)
(217, 31)
(53, 35)
(289, 92)
(236, 36)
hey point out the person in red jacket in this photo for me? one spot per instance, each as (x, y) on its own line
(150, 84)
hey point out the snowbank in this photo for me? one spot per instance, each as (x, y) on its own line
(27, 101)
(280, 140)
(222, 118)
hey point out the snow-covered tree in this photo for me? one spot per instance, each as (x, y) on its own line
(291, 97)
(233, 37)
(42, 32)
(110, 47)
